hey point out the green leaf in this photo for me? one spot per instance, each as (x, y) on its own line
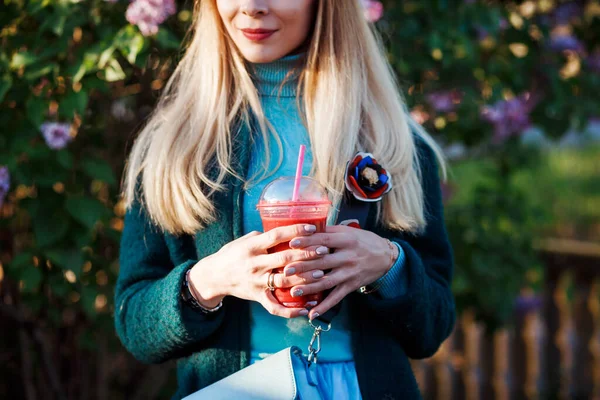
(20, 262)
(67, 259)
(31, 277)
(80, 73)
(86, 210)
(34, 6)
(59, 286)
(41, 69)
(74, 102)
(106, 56)
(167, 39)
(114, 72)
(88, 301)
(5, 85)
(64, 158)
(23, 59)
(99, 169)
(130, 42)
(36, 110)
(49, 228)
(133, 48)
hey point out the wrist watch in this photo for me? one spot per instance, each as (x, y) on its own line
(189, 299)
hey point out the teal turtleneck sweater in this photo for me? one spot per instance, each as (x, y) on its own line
(269, 333)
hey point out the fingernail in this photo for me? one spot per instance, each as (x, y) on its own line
(314, 315)
(290, 271)
(322, 250)
(310, 228)
(297, 293)
(311, 303)
(304, 313)
(295, 243)
(318, 274)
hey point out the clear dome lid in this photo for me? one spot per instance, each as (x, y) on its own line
(280, 192)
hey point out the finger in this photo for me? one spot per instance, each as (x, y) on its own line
(330, 261)
(281, 234)
(329, 281)
(271, 304)
(283, 258)
(339, 229)
(282, 281)
(330, 240)
(329, 302)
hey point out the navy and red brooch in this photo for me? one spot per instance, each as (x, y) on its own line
(366, 179)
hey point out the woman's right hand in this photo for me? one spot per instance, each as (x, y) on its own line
(242, 267)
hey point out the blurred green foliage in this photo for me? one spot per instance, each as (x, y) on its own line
(82, 64)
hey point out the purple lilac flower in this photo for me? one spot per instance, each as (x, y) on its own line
(482, 33)
(373, 10)
(509, 117)
(565, 12)
(528, 303)
(4, 184)
(149, 14)
(56, 134)
(565, 42)
(444, 101)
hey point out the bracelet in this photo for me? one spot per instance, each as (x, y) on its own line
(373, 287)
(190, 300)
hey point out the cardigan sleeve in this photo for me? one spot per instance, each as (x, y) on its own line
(423, 316)
(150, 317)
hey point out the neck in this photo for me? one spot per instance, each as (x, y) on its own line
(278, 78)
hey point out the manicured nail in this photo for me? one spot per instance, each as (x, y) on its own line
(311, 303)
(297, 293)
(314, 315)
(290, 271)
(295, 243)
(322, 250)
(304, 313)
(310, 228)
(318, 274)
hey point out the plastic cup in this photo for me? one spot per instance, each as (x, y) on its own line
(277, 209)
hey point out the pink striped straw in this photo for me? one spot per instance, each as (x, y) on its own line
(301, 154)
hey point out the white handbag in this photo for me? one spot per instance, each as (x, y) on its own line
(270, 379)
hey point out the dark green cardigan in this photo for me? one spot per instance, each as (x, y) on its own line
(155, 327)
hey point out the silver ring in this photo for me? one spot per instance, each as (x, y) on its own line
(271, 282)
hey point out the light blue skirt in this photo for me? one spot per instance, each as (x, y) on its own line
(334, 380)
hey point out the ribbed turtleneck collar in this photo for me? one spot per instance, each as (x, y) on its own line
(269, 77)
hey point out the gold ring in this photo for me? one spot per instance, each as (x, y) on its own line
(271, 282)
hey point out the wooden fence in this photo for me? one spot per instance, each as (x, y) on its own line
(551, 351)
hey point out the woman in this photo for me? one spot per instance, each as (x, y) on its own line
(258, 79)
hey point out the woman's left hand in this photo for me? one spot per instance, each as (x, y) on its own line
(359, 258)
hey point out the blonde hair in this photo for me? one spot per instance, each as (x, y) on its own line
(351, 103)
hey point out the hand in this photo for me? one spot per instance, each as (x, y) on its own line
(360, 258)
(242, 267)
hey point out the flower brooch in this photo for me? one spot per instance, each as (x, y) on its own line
(366, 179)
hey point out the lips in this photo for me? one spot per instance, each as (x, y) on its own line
(258, 34)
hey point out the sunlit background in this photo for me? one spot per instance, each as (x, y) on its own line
(511, 90)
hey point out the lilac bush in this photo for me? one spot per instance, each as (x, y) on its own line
(509, 117)
(149, 14)
(4, 184)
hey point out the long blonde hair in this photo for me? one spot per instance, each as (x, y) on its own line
(351, 103)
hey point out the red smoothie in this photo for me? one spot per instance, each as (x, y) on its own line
(283, 295)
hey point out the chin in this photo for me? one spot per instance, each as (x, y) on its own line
(262, 56)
